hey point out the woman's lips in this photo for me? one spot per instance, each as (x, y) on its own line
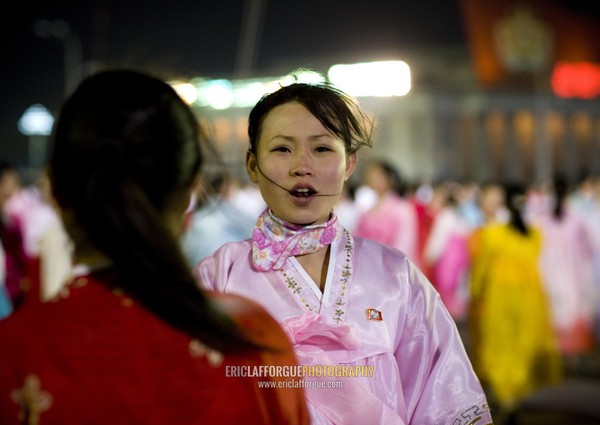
(303, 192)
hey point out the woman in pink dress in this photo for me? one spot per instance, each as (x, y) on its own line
(567, 269)
(378, 344)
(447, 252)
(16, 264)
(393, 219)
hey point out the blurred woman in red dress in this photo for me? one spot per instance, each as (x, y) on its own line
(131, 339)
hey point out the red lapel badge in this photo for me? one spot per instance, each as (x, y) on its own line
(373, 314)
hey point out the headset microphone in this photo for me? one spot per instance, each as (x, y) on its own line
(286, 189)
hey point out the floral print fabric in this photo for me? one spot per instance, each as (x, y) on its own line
(274, 240)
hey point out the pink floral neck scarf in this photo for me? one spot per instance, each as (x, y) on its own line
(274, 240)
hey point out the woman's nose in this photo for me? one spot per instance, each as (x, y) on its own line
(301, 166)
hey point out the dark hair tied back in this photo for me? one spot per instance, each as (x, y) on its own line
(126, 150)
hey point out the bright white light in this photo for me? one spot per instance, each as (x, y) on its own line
(218, 94)
(186, 91)
(36, 121)
(283, 82)
(379, 79)
(365, 79)
(309, 77)
(248, 93)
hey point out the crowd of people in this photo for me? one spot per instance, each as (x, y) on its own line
(128, 266)
(517, 267)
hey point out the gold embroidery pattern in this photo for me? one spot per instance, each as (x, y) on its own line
(198, 349)
(125, 300)
(295, 288)
(32, 400)
(80, 282)
(346, 274)
(291, 283)
(65, 291)
(338, 314)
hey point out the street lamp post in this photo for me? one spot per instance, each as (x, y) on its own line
(62, 31)
(36, 123)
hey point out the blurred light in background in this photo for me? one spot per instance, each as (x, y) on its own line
(224, 94)
(248, 92)
(187, 91)
(216, 94)
(379, 79)
(576, 80)
(303, 76)
(36, 121)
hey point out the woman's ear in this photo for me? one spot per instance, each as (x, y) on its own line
(251, 166)
(351, 162)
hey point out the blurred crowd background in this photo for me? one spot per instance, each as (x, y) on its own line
(517, 266)
(485, 171)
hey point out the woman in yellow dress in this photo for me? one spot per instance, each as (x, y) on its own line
(516, 351)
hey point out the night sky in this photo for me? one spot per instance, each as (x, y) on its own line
(201, 38)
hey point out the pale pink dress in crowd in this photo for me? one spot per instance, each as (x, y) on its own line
(447, 253)
(392, 222)
(566, 263)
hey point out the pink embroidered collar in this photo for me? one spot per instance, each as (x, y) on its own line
(274, 240)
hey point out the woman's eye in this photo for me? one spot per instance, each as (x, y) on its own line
(324, 149)
(281, 149)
